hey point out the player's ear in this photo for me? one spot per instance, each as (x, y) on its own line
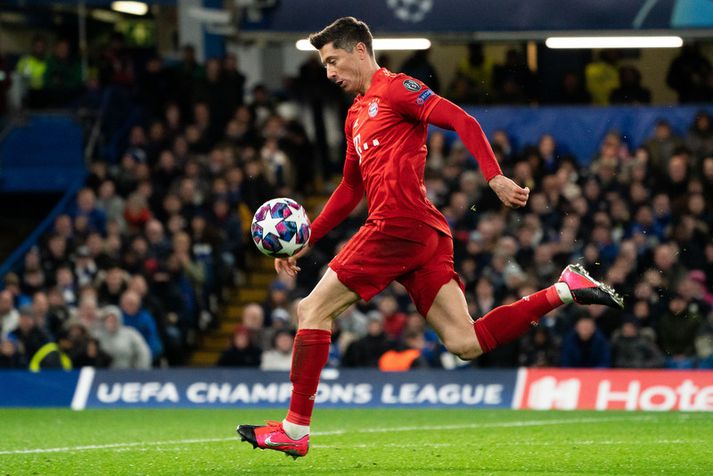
(362, 50)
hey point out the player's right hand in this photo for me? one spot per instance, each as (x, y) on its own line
(510, 193)
(289, 265)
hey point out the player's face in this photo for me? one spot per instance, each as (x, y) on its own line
(342, 67)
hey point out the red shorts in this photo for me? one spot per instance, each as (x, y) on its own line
(422, 263)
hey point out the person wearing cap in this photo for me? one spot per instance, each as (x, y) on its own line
(127, 348)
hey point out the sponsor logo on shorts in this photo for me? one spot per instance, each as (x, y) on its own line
(412, 85)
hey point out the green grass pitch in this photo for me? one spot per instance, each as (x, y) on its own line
(364, 441)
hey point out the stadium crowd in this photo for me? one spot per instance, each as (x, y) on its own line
(135, 270)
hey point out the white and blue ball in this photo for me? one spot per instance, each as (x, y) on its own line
(280, 228)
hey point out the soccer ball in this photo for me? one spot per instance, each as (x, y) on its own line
(280, 227)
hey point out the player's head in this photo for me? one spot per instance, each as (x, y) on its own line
(345, 48)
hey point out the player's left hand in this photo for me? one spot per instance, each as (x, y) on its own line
(289, 265)
(510, 193)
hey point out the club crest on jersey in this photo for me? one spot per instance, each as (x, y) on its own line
(412, 85)
(373, 109)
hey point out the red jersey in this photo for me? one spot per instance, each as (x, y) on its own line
(386, 130)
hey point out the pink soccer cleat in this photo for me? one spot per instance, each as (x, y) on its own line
(273, 437)
(586, 290)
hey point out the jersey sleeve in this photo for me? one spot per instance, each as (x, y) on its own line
(447, 115)
(412, 98)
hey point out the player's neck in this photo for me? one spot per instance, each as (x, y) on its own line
(369, 76)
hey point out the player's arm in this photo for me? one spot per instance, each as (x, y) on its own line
(447, 115)
(416, 101)
(343, 200)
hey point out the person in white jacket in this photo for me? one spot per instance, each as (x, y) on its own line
(125, 345)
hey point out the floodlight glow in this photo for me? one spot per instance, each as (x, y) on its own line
(130, 7)
(381, 44)
(590, 42)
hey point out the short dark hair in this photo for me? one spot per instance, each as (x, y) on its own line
(345, 33)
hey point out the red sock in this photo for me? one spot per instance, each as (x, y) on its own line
(506, 323)
(309, 356)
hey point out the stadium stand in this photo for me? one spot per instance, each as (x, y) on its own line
(184, 155)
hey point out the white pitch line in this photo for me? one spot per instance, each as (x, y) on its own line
(512, 443)
(512, 424)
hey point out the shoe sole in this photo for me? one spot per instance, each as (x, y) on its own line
(615, 297)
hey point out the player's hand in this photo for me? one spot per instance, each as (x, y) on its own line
(510, 193)
(289, 265)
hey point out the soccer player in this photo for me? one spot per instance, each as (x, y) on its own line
(405, 238)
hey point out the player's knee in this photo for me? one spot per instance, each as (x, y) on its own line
(466, 349)
(308, 315)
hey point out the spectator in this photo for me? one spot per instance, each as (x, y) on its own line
(32, 67)
(88, 315)
(585, 346)
(91, 355)
(687, 74)
(676, 330)
(365, 352)
(630, 90)
(9, 317)
(5, 84)
(539, 349)
(234, 82)
(10, 357)
(704, 343)
(602, 76)
(394, 319)
(572, 90)
(110, 285)
(631, 349)
(472, 82)
(116, 66)
(407, 356)
(418, 66)
(63, 76)
(135, 316)
(278, 300)
(53, 355)
(29, 337)
(514, 82)
(110, 203)
(279, 357)
(699, 139)
(126, 347)
(242, 351)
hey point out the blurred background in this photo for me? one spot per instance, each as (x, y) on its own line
(139, 137)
